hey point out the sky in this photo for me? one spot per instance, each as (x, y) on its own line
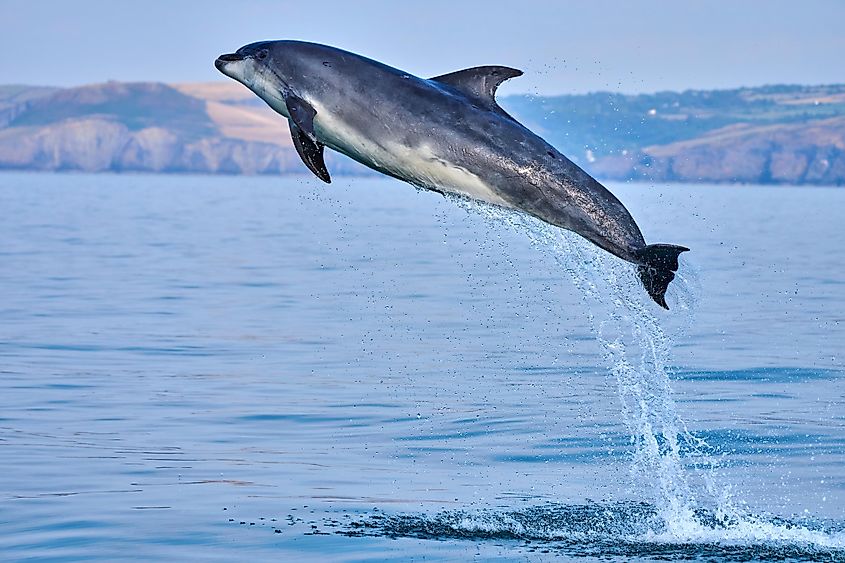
(563, 46)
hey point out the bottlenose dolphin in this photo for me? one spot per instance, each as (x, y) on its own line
(445, 134)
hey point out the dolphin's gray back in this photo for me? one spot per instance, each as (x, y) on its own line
(432, 135)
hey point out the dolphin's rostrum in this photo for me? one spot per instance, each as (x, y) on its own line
(445, 134)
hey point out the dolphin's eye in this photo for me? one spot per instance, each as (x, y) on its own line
(262, 54)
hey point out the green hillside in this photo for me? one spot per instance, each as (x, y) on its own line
(136, 105)
(607, 123)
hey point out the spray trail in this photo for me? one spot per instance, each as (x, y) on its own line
(637, 351)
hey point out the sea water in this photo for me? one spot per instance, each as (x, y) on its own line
(224, 367)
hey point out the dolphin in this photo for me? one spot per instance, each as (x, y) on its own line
(446, 134)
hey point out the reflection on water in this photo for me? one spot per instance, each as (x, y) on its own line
(183, 354)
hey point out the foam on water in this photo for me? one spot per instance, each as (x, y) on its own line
(615, 529)
(621, 529)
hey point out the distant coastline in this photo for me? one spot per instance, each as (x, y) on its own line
(791, 135)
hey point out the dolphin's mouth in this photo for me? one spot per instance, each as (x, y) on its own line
(222, 60)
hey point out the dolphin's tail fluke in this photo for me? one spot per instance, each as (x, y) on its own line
(657, 266)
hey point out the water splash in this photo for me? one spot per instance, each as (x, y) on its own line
(637, 351)
(678, 472)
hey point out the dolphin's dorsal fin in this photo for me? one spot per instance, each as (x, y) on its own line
(304, 139)
(479, 83)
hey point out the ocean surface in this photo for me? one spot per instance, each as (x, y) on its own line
(229, 368)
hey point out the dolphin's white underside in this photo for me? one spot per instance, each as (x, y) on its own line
(418, 165)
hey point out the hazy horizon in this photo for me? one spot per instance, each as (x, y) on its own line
(603, 46)
(499, 95)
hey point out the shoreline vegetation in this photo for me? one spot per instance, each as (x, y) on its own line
(792, 135)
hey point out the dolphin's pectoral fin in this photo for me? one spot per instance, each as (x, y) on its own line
(479, 83)
(311, 152)
(304, 139)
